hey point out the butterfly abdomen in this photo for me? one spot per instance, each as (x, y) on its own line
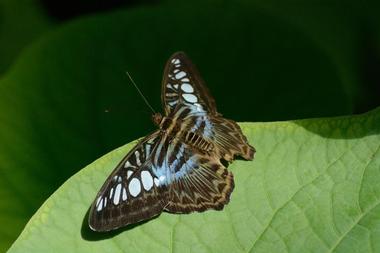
(198, 142)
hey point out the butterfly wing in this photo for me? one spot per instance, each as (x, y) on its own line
(200, 181)
(131, 193)
(182, 85)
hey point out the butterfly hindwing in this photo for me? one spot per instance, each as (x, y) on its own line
(131, 193)
(200, 182)
(230, 140)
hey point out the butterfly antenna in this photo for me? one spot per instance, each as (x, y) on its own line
(139, 91)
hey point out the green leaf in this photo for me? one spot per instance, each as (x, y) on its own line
(312, 187)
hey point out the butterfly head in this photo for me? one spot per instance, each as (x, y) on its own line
(157, 118)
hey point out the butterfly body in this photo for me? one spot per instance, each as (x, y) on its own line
(177, 168)
(178, 129)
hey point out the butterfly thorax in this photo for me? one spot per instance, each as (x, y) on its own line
(175, 129)
(166, 124)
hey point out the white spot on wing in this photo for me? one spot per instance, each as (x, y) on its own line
(161, 179)
(128, 164)
(111, 192)
(175, 61)
(100, 205)
(147, 149)
(129, 173)
(98, 201)
(116, 197)
(117, 178)
(185, 79)
(180, 75)
(186, 87)
(172, 103)
(175, 86)
(176, 71)
(146, 179)
(137, 154)
(199, 107)
(134, 187)
(124, 194)
(156, 181)
(190, 98)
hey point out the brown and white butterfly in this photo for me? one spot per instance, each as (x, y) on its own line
(177, 168)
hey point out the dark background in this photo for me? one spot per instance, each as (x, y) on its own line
(65, 99)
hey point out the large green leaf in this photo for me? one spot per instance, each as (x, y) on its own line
(313, 187)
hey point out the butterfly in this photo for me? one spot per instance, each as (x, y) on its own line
(180, 168)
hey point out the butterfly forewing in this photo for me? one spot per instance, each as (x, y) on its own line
(131, 193)
(183, 86)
